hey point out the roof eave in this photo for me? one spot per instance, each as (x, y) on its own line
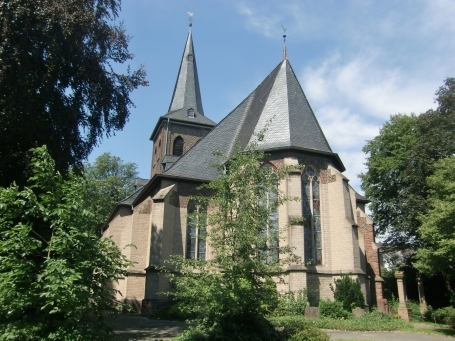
(334, 156)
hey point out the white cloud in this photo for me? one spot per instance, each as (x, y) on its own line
(260, 20)
(366, 86)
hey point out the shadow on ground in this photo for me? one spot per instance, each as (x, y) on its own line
(135, 327)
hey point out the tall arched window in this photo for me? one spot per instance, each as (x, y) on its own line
(178, 146)
(195, 232)
(269, 200)
(312, 214)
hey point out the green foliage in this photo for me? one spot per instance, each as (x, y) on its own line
(444, 315)
(438, 224)
(333, 309)
(60, 82)
(298, 328)
(109, 180)
(234, 289)
(53, 268)
(292, 303)
(400, 159)
(258, 329)
(348, 292)
(310, 334)
(374, 321)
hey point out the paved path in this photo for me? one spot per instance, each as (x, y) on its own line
(385, 336)
(138, 328)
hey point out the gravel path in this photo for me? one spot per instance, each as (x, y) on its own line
(138, 328)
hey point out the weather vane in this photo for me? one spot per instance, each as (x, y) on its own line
(190, 18)
(284, 33)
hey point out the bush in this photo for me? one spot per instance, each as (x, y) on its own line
(348, 292)
(445, 315)
(298, 328)
(310, 334)
(292, 303)
(251, 329)
(335, 310)
(374, 321)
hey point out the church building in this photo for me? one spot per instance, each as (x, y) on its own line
(336, 235)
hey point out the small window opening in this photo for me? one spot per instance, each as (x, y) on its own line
(190, 57)
(178, 146)
(190, 112)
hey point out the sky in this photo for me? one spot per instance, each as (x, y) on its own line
(358, 62)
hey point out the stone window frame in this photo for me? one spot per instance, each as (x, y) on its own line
(312, 213)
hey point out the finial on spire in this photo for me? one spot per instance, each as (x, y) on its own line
(190, 18)
(285, 52)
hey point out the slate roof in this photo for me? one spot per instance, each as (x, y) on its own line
(187, 93)
(279, 104)
(361, 198)
(139, 187)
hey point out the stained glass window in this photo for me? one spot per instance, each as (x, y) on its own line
(271, 230)
(195, 232)
(311, 202)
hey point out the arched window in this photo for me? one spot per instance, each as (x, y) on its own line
(178, 146)
(270, 233)
(195, 232)
(190, 112)
(312, 214)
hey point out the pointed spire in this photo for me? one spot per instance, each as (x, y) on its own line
(187, 94)
(285, 52)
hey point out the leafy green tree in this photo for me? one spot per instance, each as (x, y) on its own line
(437, 230)
(59, 80)
(231, 291)
(53, 267)
(400, 159)
(109, 180)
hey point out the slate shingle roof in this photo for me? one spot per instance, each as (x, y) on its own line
(278, 104)
(187, 93)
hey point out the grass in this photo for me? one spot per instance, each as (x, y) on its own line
(370, 322)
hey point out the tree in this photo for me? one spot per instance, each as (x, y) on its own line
(437, 230)
(229, 292)
(59, 82)
(53, 267)
(109, 180)
(400, 160)
(384, 182)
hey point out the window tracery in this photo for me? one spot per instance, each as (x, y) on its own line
(195, 232)
(312, 214)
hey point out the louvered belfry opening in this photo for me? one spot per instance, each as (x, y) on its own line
(178, 146)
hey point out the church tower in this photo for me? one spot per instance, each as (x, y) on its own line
(185, 123)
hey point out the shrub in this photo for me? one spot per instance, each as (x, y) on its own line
(310, 334)
(335, 310)
(445, 315)
(292, 303)
(348, 292)
(298, 328)
(374, 321)
(251, 329)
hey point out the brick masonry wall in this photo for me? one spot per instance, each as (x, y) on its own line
(371, 251)
(190, 135)
(141, 234)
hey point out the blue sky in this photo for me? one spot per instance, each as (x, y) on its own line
(358, 62)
